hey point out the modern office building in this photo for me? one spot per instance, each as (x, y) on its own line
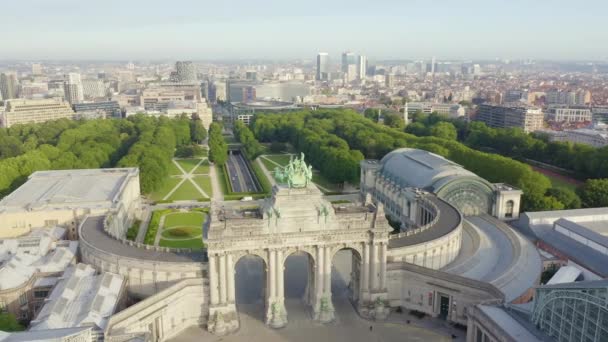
(73, 89)
(21, 111)
(186, 72)
(245, 112)
(158, 99)
(322, 67)
(362, 67)
(518, 115)
(8, 86)
(348, 58)
(241, 91)
(569, 114)
(97, 109)
(93, 88)
(282, 91)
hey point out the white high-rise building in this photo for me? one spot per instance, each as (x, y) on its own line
(72, 88)
(362, 67)
(322, 66)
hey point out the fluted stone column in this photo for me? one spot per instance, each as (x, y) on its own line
(222, 279)
(382, 261)
(230, 273)
(213, 280)
(374, 268)
(277, 310)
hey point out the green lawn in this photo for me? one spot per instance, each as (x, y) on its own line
(205, 183)
(281, 159)
(192, 243)
(188, 164)
(186, 191)
(559, 183)
(203, 168)
(186, 232)
(318, 179)
(169, 184)
(174, 170)
(270, 166)
(184, 219)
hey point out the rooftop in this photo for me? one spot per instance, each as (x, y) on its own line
(80, 298)
(21, 258)
(63, 189)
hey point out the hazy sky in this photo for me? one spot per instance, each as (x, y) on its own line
(277, 29)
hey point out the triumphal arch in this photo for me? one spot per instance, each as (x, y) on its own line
(297, 219)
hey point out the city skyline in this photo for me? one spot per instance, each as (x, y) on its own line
(397, 30)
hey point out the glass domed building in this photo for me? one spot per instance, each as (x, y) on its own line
(401, 175)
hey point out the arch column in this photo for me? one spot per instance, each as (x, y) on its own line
(323, 309)
(223, 318)
(276, 315)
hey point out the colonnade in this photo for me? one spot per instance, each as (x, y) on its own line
(368, 284)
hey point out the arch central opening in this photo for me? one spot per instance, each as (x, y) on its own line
(299, 284)
(345, 278)
(250, 286)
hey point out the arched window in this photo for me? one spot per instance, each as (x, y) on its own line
(509, 208)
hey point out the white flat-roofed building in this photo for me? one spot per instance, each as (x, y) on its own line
(452, 110)
(591, 137)
(579, 237)
(518, 115)
(65, 197)
(28, 265)
(569, 114)
(22, 111)
(82, 298)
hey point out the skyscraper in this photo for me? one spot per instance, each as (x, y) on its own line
(186, 72)
(8, 86)
(362, 67)
(72, 88)
(322, 66)
(348, 58)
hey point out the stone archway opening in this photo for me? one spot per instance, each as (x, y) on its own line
(299, 284)
(345, 277)
(251, 286)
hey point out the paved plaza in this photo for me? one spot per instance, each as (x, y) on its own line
(348, 326)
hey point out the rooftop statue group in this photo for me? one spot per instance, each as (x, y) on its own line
(296, 174)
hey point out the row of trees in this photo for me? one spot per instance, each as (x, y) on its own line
(218, 148)
(250, 145)
(324, 150)
(65, 144)
(585, 161)
(355, 137)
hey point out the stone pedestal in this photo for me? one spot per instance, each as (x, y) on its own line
(323, 310)
(276, 315)
(223, 320)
